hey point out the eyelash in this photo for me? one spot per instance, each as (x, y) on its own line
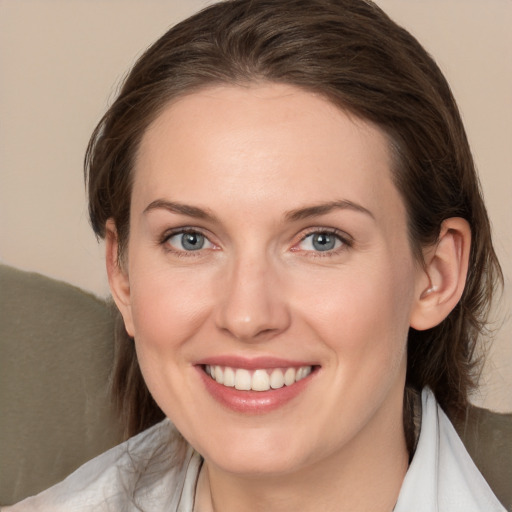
(181, 231)
(346, 242)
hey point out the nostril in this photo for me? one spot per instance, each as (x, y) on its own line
(251, 307)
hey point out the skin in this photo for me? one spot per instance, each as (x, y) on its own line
(250, 157)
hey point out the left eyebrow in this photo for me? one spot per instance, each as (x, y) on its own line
(180, 208)
(324, 208)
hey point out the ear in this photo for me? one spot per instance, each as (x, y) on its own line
(441, 284)
(118, 278)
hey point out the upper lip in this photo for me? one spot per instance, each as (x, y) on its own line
(253, 363)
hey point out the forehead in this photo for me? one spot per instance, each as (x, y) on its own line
(262, 145)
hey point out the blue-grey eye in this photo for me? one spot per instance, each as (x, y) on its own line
(189, 241)
(320, 241)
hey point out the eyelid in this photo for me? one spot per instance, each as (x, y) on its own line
(168, 234)
(346, 240)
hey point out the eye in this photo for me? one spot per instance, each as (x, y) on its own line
(188, 241)
(321, 241)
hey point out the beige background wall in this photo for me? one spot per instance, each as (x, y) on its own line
(60, 62)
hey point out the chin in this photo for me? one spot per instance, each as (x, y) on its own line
(258, 452)
(256, 464)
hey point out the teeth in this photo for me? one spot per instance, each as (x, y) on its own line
(303, 372)
(218, 375)
(289, 376)
(258, 380)
(276, 379)
(242, 380)
(229, 378)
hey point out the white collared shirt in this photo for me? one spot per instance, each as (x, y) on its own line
(441, 478)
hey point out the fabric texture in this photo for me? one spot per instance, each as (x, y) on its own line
(487, 437)
(442, 476)
(56, 353)
(149, 473)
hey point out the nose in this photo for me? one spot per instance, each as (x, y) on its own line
(252, 304)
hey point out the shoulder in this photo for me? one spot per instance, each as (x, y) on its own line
(442, 476)
(487, 436)
(144, 469)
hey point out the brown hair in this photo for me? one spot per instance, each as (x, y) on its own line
(350, 52)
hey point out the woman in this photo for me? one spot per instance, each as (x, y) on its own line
(298, 247)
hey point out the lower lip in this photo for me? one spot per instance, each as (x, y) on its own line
(253, 402)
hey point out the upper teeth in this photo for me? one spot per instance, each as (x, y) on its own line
(257, 380)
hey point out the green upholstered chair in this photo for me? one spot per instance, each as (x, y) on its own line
(55, 356)
(488, 439)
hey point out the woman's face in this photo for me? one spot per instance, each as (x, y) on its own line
(268, 246)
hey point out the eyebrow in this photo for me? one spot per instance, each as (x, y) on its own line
(324, 208)
(292, 215)
(180, 208)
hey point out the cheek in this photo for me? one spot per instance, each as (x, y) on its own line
(362, 313)
(168, 308)
(168, 312)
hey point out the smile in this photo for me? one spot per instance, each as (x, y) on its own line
(256, 380)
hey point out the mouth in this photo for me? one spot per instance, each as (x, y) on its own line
(261, 379)
(255, 387)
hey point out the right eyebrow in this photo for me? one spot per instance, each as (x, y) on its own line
(180, 208)
(324, 208)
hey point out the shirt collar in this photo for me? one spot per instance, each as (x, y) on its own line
(442, 476)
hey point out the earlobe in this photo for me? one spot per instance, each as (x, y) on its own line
(118, 278)
(441, 283)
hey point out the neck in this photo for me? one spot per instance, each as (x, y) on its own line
(364, 476)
